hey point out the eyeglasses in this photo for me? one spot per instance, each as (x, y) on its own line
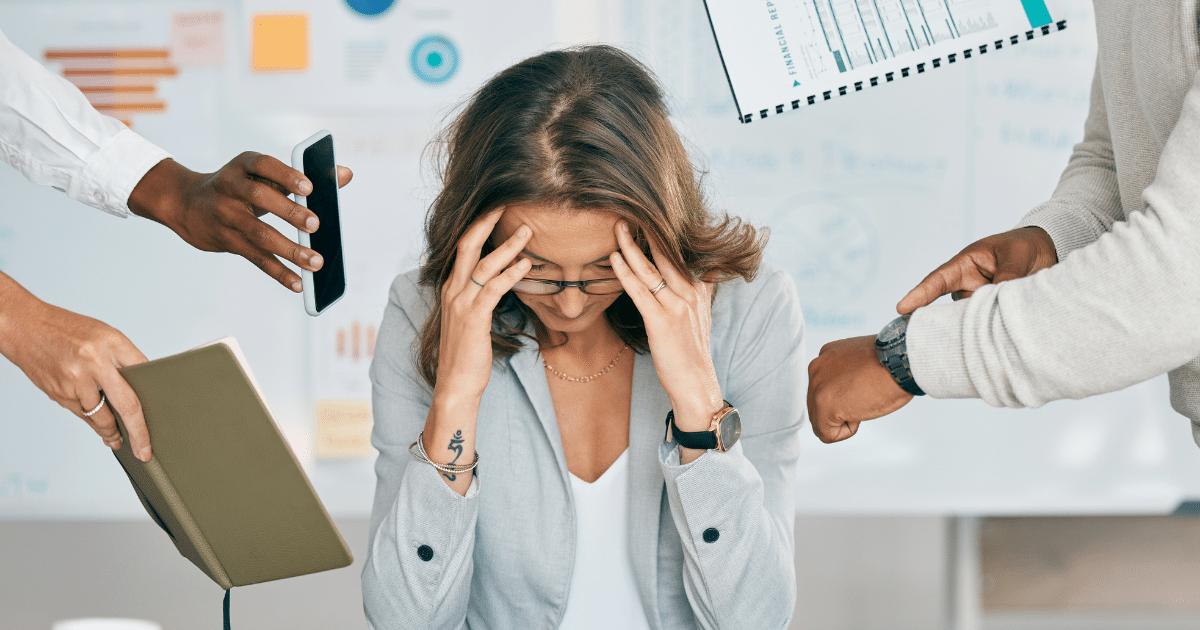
(602, 286)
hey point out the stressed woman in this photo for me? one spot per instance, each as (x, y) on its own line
(587, 398)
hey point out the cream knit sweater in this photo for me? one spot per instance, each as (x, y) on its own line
(1123, 303)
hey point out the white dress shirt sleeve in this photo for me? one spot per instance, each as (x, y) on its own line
(52, 135)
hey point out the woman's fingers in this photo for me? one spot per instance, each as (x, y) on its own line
(675, 280)
(635, 260)
(502, 256)
(634, 286)
(470, 246)
(494, 289)
(91, 406)
(122, 398)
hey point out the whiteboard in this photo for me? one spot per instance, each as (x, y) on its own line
(865, 195)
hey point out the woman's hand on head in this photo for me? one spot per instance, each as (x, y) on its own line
(469, 297)
(678, 319)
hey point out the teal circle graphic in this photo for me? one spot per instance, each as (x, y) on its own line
(370, 8)
(434, 59)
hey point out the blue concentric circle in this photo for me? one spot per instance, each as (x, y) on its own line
(434, 59)
(370, 8)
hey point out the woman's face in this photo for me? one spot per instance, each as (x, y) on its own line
(566, 245)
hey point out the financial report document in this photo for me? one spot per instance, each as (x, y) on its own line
(780, 55)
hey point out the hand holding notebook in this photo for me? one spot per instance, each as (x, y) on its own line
(222, 482)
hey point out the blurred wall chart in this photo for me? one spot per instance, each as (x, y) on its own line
(864, 196)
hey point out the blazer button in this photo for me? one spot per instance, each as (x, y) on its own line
(425, 552)
(711, 535)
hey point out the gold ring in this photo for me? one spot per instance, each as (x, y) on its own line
(658, 288)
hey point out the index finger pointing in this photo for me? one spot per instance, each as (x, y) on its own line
(935, 285)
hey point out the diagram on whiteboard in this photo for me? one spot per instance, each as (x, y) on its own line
(830, 247)
(779, 55)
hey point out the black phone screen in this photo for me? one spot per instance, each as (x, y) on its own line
(330, 280)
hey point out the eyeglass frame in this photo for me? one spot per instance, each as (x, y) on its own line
(563, 284)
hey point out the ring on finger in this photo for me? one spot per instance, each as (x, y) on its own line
(98, 406)
(477, 283)
(658, 288)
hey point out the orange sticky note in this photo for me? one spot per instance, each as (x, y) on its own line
(280, 42)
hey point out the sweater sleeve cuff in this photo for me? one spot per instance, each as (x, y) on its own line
(934, 343)
(115, 170)
(1066, 227)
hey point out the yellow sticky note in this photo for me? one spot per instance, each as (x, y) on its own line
(280, 42)
(343, 429)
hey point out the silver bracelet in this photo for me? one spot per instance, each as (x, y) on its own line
(421, 455)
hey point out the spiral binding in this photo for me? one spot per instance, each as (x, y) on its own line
(904, 72)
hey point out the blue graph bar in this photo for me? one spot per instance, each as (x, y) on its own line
(837, 56)
(1037, 12)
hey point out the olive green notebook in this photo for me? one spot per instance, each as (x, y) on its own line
(223, 482)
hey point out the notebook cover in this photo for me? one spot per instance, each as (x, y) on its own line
(222, 481)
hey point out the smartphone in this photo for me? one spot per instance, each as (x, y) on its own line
(314, 158)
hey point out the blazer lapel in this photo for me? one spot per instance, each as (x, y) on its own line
(647, 413)
(527, 365)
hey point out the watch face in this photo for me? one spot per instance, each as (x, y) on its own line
(891, 332)
(731, 429)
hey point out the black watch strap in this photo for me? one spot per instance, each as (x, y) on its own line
(700, 440)
(898, 366)
(892, 349)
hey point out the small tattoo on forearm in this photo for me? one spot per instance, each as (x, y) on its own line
(456, 443)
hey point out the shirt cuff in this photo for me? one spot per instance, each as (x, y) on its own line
(115, 170)
(934, 343)
(1068, 231)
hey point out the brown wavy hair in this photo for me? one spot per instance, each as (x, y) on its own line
(582, 128)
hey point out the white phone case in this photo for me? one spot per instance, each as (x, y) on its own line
(306, 276)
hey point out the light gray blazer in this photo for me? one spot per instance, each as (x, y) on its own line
(501, 557)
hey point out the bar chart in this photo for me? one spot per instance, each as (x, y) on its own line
(120, 82)
(863, 32)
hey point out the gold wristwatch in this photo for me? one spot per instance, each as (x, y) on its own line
(723, 432)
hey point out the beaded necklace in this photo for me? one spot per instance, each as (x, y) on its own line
(584, 379)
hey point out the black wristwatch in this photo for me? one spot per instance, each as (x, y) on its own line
(892, 351)
(723, 432)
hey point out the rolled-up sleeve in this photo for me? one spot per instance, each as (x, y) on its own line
(735, 511)
(54, 137)
(419, 562)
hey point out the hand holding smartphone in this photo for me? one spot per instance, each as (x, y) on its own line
(314, 157)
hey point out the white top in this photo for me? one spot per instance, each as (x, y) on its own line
(603, 593)
(1121, 305)
(52, 135)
